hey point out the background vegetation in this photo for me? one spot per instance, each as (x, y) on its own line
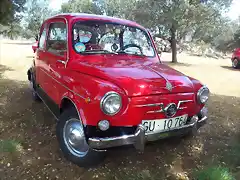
(200, 22)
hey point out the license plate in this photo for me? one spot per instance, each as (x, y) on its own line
(157, 125)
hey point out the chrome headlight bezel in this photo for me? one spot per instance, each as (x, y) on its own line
(201, 91)
(106, 97)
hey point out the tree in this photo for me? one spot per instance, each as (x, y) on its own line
(81, 6)
(10, 10)
(37, 11)
(179, 17)
(173, 18)
(10, 16)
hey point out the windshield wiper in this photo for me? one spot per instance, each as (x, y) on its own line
(102, 51)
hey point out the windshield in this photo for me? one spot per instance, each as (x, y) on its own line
(98, 37)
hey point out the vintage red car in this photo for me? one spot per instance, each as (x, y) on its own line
(104, 82)
(236, 58)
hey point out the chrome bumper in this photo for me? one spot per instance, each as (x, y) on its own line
(139, 138)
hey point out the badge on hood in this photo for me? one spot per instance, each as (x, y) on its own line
(169, 86)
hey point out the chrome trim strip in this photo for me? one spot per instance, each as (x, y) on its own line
(63, 85)
(67, 42)
(203, 119)
(150, 105)
(61, 61)
(158, 111)
(162, 106)
(183, 101)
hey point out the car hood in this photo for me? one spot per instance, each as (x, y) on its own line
(136, 76)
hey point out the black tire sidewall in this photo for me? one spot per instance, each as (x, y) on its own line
(237, 64)
(91, 158)
(33, 88)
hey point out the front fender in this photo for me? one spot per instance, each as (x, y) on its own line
(86, 93)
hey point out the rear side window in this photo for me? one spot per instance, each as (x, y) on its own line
(57, 38)
(42, 38)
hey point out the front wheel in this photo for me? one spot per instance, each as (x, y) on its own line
(72, 140)
(235, 63)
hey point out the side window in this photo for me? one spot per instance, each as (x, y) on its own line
(42, 39)
(57, 38)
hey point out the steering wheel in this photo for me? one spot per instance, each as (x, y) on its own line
(133, 45)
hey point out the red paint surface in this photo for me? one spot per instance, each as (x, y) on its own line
(236, 54)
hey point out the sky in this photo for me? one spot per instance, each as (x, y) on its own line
(56, 4)
(233, 13)
(234, 10)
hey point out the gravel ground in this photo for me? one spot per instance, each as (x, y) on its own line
(30, 128)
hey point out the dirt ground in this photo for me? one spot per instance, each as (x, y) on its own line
(30, 127)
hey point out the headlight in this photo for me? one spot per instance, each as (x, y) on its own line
(111, 103)
(203, 95)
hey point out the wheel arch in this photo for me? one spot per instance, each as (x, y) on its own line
(29, 74)
(68, 102)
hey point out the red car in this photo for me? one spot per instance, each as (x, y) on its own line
(112, 93)
(236, 58)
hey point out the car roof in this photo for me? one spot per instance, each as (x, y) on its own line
(85, 16)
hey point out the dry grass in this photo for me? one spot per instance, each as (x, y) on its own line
(30, 127)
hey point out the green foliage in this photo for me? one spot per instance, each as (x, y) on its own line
(237, 38)
(10, 11)
(12, 31)
(10, 146)
(37, 11)
(172, 19)
(81, 6)
(214, 173)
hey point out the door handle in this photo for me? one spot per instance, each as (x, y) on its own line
(61, 61)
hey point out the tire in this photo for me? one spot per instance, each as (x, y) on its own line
(235, 63)
(35, 96)
(82, 155)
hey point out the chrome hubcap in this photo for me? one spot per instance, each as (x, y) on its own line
(74, 138)
(235, 63)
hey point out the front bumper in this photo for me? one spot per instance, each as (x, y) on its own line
(139, 138)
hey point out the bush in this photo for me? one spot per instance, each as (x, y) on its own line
(214, 173)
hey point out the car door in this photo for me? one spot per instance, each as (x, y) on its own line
(40, 58)
(56, 52)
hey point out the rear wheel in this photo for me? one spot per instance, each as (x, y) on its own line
(235, 63)
(72, 140)
(33, 88)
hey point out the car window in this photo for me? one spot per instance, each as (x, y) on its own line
(135, 39)
(98, 37)
(42, 39)
(57, 38)
(108, 40)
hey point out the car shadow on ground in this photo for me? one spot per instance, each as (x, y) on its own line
(38, 155)
(20, 43)
(176, 64)
(230, 68)
(30, 57)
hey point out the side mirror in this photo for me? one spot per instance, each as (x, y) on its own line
(35, 46)
(36, 37)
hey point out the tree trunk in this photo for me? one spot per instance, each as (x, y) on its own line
(174, 44)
